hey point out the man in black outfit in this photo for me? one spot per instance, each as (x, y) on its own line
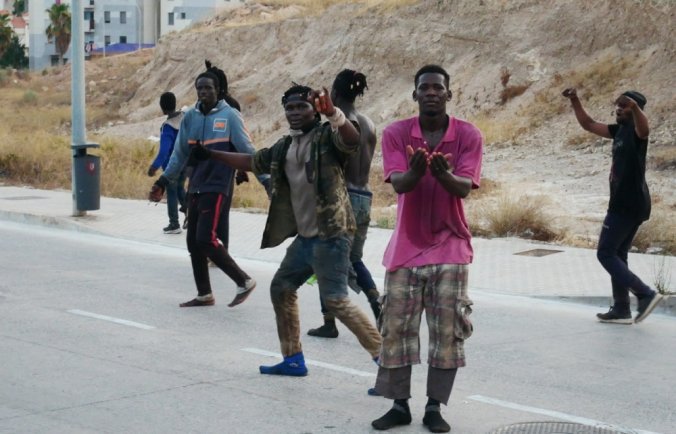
(629, 204)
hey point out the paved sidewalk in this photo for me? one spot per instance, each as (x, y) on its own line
(564, 273)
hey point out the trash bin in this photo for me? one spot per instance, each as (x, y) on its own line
(87, 178)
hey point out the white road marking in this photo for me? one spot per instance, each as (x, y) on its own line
(558, 415)
(314, 363)
(111, 319)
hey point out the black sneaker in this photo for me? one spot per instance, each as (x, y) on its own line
(435, 423)
(646, 306)
(615, 316)
(172, 229)
(328, 330)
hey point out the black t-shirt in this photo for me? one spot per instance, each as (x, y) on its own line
(629, 193)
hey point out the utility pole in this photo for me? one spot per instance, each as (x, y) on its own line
(85, 178)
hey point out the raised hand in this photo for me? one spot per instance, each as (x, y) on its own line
(321, 100)
(570, 92)
(626, 101)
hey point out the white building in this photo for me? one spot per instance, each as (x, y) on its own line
(106, 22)
(179, 14)
(117, 22)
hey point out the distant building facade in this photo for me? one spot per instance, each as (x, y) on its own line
(131, 23)
(179, 14)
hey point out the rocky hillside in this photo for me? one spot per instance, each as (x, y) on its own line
(508, 60)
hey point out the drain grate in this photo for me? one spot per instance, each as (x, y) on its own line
(553, 428)
(538, 252)
(23, 197)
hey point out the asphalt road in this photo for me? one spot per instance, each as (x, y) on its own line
(92, 341)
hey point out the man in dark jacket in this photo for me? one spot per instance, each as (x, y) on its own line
(168, 133)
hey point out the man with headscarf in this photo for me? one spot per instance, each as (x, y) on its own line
(309, 201)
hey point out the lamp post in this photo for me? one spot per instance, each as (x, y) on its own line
(103, 21)
(85, 169)
(139, 19)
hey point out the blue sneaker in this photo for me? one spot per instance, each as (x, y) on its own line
(293, 365)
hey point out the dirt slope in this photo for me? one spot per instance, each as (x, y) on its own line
(508, 62)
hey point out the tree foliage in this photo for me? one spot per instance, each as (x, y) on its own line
(19, 7)
(59, 28)
(5, 33)
(15, 55)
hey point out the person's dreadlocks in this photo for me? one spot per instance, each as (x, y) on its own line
(350, 84)
(221, 81)
(296, 89)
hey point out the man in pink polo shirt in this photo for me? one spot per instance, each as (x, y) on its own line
(433, 161)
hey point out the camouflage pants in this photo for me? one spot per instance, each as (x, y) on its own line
(329, 260)
(439, 290)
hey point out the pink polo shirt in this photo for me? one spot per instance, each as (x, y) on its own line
(431, 227)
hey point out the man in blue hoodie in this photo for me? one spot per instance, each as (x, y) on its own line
(168, 133)
(214, 124)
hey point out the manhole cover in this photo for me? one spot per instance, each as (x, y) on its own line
(24, 197)
(553, 428)
(538, 252)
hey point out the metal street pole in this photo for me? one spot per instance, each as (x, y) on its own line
(104, 34)
(85, 169)
(139, 18)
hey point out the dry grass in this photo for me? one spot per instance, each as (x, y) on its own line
(276, 10)
(662, 276)
(579, 140)
(596, 83)
(496, 130)
(250, 195)
(662, 157)
(659, 231)
(123, 167)
(514, 216)
(510, 92)
(488, 188)
(320, 5)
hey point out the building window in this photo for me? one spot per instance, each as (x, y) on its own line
(183, 15)
(171, 18)
(91, 2)
(106, 40)
(106, 17)
(123, 39)
(123, 17)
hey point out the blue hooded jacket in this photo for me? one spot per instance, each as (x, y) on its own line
(222, 129)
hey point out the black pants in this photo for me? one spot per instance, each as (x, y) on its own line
(208, 231)
(614, 243)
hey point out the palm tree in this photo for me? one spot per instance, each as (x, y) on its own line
(59, 29)
(19, 7)
(5, 34)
